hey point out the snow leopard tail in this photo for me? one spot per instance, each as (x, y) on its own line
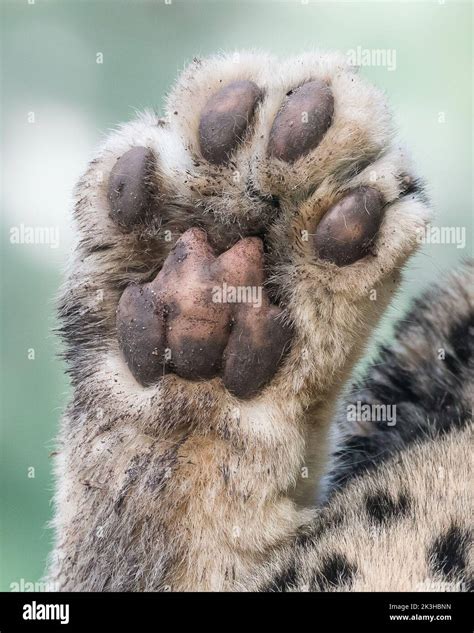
(425, 378)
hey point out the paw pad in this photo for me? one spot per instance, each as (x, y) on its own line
(130, 195)
(302, 165)
(348, 228)
(225, 118)
(302, 121)
(204, 316)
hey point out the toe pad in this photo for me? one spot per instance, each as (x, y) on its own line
(225, 118)
(302, 121)
(130, 195)
(347, 230)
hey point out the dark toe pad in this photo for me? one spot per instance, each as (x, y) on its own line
(130, 193)
(225, 118)
(302, 121)
(348, 229)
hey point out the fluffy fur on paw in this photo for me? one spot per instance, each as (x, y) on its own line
(178, 478)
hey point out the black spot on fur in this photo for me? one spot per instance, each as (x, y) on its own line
(382, 508)
(307, 535)
(449, 552)
(461, 338)
(429, 391)
(335, 571)
(284, 581)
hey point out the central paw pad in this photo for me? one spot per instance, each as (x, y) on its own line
(204, 316)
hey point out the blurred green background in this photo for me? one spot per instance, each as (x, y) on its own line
(49, 52)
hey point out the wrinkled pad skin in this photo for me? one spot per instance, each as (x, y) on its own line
(178, 323)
